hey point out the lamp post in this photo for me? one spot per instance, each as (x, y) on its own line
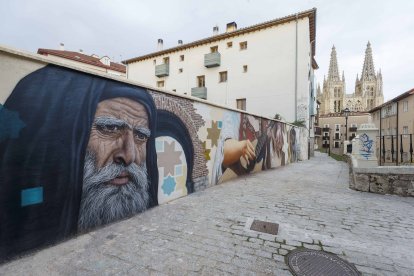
(346, 112)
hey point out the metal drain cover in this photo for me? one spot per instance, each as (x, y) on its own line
(265, 227)
(303, 262)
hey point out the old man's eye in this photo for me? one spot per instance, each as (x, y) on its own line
(140, 136)
(108, 129)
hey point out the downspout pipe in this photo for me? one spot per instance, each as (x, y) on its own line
(296, 69)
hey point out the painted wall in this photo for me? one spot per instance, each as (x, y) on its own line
(79, 150)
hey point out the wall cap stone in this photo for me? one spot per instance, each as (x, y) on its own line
(386, 170)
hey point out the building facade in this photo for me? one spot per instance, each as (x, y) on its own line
(395, 121)
(335, 129)
(368, 88)
(92, 62)
(265, 69)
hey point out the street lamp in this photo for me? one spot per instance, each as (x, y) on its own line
(346, 112)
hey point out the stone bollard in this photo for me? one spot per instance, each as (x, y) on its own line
(364, 145)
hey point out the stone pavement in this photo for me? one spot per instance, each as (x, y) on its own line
(204, 233)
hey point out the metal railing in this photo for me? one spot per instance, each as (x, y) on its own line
(395, 149)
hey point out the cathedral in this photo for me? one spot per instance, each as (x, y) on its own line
(367, 93)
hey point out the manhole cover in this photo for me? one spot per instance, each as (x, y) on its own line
(265, 227)
(312, 262)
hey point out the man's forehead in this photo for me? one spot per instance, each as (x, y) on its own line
(123, 108)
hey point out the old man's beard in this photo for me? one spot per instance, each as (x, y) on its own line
(102, 202)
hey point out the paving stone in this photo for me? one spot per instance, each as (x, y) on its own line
(203, 233)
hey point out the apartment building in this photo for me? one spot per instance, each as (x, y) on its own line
(395, 121)
(335, 128)
(265, 69)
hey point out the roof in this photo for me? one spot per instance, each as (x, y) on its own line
(312, 30)
(79, 57)
(339, 114)
(396, 99)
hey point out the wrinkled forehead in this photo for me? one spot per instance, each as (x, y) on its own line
(125, 109)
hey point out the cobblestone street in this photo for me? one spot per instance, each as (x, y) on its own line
(205, 233)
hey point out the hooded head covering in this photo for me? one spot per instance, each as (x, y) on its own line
(41, 168)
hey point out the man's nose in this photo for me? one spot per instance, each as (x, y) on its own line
(126, 153)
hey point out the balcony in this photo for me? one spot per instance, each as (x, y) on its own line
(162, 70)
(318, 131)
(352, 129)
(325, 129)
(199, 92)
(325, 138)
(325, 146)
(212, 59)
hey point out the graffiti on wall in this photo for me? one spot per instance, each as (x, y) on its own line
(366, 146)
(84, 151)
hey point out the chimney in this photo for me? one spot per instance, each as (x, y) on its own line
(231, 27)
(180, 42)
(160, 44)
(62, 47)
(215, 30)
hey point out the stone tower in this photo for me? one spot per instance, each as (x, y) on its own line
(368, 89)
(333, 95)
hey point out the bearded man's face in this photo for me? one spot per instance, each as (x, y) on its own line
(115, 183)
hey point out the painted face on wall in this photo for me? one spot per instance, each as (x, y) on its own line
(115, 183)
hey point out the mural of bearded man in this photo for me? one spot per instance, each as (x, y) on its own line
(85, 156)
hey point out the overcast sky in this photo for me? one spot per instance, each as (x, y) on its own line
(128, 28)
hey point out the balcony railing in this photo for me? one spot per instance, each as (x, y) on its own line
(199, 92)
(318, 131)
(162, 70)
(397, 149)
(212, 59)
(353, 129)
(325, 137)
(325, 129)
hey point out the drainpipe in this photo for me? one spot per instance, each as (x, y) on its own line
(296, 70)
(380, 140)
(397, 132)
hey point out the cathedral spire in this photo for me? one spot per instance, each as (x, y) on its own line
(368, 71)
(333, 73)
(343, 75)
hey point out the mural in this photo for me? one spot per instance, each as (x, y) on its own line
(79, 151)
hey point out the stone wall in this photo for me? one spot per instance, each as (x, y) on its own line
(382, 180)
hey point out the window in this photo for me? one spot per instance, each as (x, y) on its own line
(180, 70)
(337, 127)
(154, 61)
(244, 68)
(201, 81)
(243, 45)
(223, 76)
(325, 134)
(405, 106)
(337, 136)
(182, 58)
(241, 104)
(160, 83)
(229, 44)
(214, 49)
(166, 60)
(405, 130)
(336, 145)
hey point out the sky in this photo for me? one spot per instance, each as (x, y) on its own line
(125, 29)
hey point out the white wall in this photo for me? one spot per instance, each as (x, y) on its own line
(269, 84)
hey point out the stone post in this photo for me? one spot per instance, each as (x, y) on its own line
(364, 144)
